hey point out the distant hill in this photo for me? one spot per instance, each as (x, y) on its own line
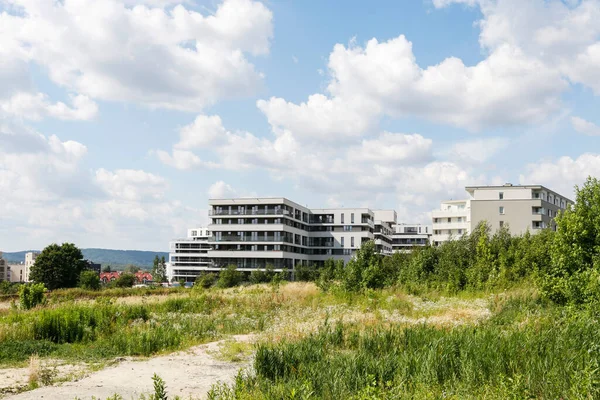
(104, 256)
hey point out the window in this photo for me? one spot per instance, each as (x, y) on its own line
(342, 218)
(501, 210)
(352, 218)
(352, 241)
(419, 229)
(342, 239)
(436, 220)
(449, 220)
(501, 224)
(460, 231)
(194, 233)
(347, 228)
(501, 195)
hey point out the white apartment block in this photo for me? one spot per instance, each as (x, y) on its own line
(384, 223)
(408, 236)
(20, 272)
(189, 256)
(521, 208)
(452, 220)
(253, 233)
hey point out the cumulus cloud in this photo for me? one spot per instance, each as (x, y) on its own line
(37, 106)
(562, 174)
(585, 127)
(161, 57)
(221, 190)
(565, 36)
(477, 151)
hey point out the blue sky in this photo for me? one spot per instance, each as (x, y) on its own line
(120, 118)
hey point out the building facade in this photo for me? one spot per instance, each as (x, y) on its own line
(408, 236)
(254, 233)
(189, 256)
(520, 208)
(4, 269)
(384, 223)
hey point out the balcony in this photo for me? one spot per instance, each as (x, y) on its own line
(248, 212)
(250, 239)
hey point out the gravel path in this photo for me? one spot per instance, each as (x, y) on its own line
(186, 374)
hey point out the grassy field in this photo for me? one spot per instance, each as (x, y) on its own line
(377, 344)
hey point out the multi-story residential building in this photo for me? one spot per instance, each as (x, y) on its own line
(20, 272)
(253, 233)
(521, 208)
(383, 230)
(4, 269)
(408, 236)
(189, 256)
(452, 220)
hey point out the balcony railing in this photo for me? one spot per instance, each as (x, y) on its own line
(249, 239)
(248, 212)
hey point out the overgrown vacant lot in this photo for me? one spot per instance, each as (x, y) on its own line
(313, 344)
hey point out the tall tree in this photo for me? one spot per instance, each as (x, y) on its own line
(58, 266)
(159, 269)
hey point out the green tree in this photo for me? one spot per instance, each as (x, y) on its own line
(575, 251)
(159, 269)
(205, 280)
(131, 269)
(89, 280)
(125, 280)
(229, 277)
(107, 269)
(58, 266)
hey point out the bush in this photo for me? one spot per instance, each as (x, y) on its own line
(205, 280)
(89, 280)
(258, 276)
(306, 273)
(125, 280)
(32, 295)
(229, 277)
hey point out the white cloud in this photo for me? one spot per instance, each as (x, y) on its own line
(506, 88)
(173, 58)
(37, 106)
(183, 159)
(221, 190)
(321, 118)
(585, 127)
(477, 151)
(129, 184)
(564, 36)
(204, 131)
(391, 148)
(563, 174)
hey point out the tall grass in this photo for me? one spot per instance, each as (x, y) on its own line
(556, 355)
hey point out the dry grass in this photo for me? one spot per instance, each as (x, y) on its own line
(34, 370)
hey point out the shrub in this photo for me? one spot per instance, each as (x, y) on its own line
(229, 277)
(31, 295)
(89, 280)
(125, 280)
(205, 280)
(258, 276)
(306, 273)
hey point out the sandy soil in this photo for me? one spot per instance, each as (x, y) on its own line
(187, 374)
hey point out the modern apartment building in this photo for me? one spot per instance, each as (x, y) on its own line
(20, 272)
(4, 269)
(521, 208)
(452, 220)
(385, 220)
(252, 233)
(189, 256)
(408, 236)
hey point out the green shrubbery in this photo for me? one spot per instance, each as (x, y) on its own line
(229, 277)
(31, 295)
(205, 280)
(89, 280)
(555, 357)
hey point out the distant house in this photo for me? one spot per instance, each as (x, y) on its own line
(106, 277)
(92, 266)
(143, 277)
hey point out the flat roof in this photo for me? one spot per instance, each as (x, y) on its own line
(508, 186)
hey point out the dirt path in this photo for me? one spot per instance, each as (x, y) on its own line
(187, 374)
